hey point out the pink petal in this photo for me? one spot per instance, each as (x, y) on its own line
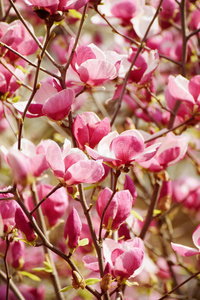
(126, 148)
(91, 262)
(125, 201)
(73, 228)
(87, 171)
(54, 159)
(58, 106)
(127, 264)
(196, 237)
(178, 88)
(96, 72)
(183, 250)
(102, 201)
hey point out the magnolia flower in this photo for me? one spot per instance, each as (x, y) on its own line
(186, 190)
(188, 251)
(52, 6)
(25, 164)
(24, 225)
(88, 129)
(72, 166)
(8, 81)
(94, 66)
(7, 212)
(188, 92)
(118, 209)
(118, 150)
(50, 102)
(16, 36)
(171, 151)
(125, 259)
(73, 228)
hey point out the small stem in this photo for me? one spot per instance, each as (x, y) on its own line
(34, 85)
(28, 61)
(58, 186)
(178, 286)
(13, 287)
(54, 275)
(77, 38)
(7, 269)
(177, 105)
(154, 199)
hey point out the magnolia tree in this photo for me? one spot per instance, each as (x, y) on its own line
(99, 124)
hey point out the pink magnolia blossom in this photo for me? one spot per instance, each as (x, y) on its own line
(186, 190)
(94, 66)
(188, 251)
(144, 67)
(54, 206)
(88, 129)
(25, 164)
(129, 185)
(18, 254)
(24, 225)
(142, 20)
(118, 150)
(18, 38)
(125, 259)
(8, 82)
(52, 6)
(73, 228)
(188, 92)
(171, 151)
(72, 166)
(118, 209)
(7, 212)
(49, 102)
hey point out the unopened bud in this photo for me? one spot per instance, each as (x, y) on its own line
(105, 282)
(77, 281)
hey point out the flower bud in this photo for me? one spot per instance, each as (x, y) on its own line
(77, 281)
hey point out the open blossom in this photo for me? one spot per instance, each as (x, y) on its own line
(88, 129)
(18, 38)
(188, 251)
(125, 259)
(118, 150)
(186, 190)
(188, 92)
(8, 82)
(118, 210)
(25, 164)
(72, 166)
(171, 151)
(50, 102)
(73, 229)
(95, 66)
(52, 6)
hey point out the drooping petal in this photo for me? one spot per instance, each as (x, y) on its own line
(184, 250)
(54, 159)
(196, 237)
(58, 106)
(87, 171)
